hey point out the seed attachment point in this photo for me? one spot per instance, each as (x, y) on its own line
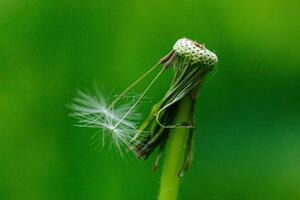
(196, 52)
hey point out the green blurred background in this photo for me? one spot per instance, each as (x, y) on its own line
(248, 113)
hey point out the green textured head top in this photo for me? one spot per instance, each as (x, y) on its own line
(196, 52)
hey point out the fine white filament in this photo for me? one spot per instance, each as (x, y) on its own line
(116, 120)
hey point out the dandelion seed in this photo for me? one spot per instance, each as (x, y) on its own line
(93, 111)
(117, 121)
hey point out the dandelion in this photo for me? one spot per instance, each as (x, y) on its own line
(169, 128)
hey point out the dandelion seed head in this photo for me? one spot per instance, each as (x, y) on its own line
(196, 52)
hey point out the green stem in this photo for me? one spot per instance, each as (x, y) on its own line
(175, 152)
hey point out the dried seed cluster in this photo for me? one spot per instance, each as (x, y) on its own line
(196, 52)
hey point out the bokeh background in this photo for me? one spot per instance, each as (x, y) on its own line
(248, 113)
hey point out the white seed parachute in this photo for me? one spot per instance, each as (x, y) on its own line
(93, 111)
